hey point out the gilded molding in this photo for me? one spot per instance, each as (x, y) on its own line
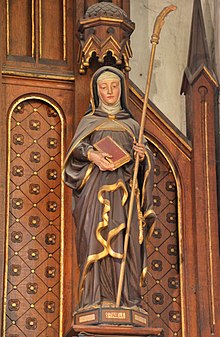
(104, 29)
(40, 28)
(106, 20)
(211, 76)
(33, 29)
(64, 31)
(56, 108)
(7, 27)
(210, 273)
(15, 73)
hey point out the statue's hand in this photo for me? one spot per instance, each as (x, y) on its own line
(140, 149)
(101, 160)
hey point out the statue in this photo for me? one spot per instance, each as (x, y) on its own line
(101, 195)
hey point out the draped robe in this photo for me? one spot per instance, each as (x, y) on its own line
(101, 200)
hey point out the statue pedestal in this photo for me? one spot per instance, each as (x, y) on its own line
(112, 331)
(109, 321)
(111, 316)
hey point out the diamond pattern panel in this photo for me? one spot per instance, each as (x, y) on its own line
(33, 292)
(161, 296)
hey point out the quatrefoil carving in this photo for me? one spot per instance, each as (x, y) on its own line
(34, 189)
(14, 305)
(50, 272)
(16, 237)
(17, 203)
(34, 221)
(17, 171)
(52, 143)
(18, 139)
(49, 307)
(32, 288)
(52, 174)
(51, 206)
(34, 125)
(35, 157)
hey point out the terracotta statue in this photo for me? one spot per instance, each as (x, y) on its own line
(101, 196)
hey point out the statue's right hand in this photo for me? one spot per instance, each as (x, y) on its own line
(101, 160)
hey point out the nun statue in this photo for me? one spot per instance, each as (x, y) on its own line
(101, 195)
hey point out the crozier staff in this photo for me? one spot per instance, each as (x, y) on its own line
(101, 193)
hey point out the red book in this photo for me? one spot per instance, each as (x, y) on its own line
(119, 155)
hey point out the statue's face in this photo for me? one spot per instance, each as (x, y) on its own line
(109, 91)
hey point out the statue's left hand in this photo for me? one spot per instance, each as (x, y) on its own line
(140, 149)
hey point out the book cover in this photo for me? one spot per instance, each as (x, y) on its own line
(119, 155)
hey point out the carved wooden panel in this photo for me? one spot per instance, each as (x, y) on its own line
(34, 228)
(19, 18)
(39, 33)
(162, 296)
(52, 37)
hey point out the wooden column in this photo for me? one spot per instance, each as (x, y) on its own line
(200, 87)
(217, 67)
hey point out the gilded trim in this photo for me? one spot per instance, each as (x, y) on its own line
(64, 31)
(17, 102)
(87, 175)
(27, 74)
(143, 277)
(180, 234)
(212, 313)
(146, 174)
(106, 20)
(7, 27)
(151, 229)
(107, 250)
(111, 235)
(210, 76)
(32, 29)
(40, 29)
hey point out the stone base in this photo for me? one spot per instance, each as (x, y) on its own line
(111, 331)
(111, 316)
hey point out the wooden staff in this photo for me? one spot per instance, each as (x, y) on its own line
(154, 41)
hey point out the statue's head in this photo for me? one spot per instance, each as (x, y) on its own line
(108, 88)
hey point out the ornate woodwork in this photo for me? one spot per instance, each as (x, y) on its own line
(104, 34)
(35, 219)
(30, 46)
(162, 295)
(41, 88)
(166, 293)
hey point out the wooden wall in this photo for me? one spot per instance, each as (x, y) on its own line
(42, 101)
(38, 120)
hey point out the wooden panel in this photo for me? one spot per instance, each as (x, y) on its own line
(62, 93)
(52, 29)
(19, 27)
(173, 152)
(35, 222)
(161, 296)
(39, 37)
